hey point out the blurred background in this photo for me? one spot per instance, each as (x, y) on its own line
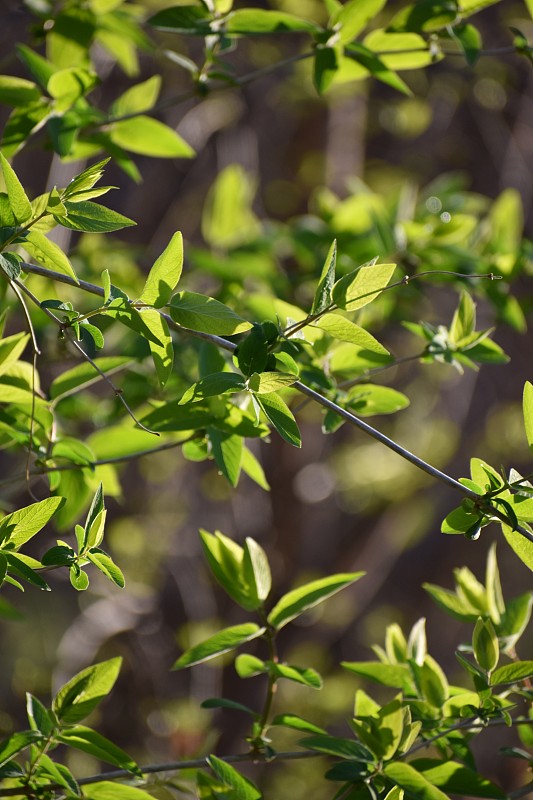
(352, 164)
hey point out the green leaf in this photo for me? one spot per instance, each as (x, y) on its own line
(78, 578)
(222, 642)
(346, 331)
(455, 778)
(38, 716)
(458, 607)
(88, 741)
(18, 199)
(150, 137)
(399, 51)
(164, 274)
(11, 348)
(111, 790)
(16, 743)
(252, 467)
(295, 602)
(241, 788)
(228, 219)
(367, 399)
(528, 413)
(85, 180)
(304, 675)
(268, 382)
(464, 319)
(325, 71)
(326, 282)
(68, 85)
(256, 570)
(10, 264)
(354, 16)
(258, 21)
(485, 645)
(92, 217)
(162, 354)
(522, 547)
(205, 314)
(512, 673)
(84, 375)
(413, 782)
(212, 386)
(225, 559)
(18, 527)
(376, 67)
(17, 91)
(298, 724)
(431, 681)
(469, 40)
(77, 698)
(140, 97)
(459, 521)
(281, 417)
(183, 19)
(397, 676)
(223, 702)
(106, 565)
(248, 666)
(227, 452)
(48, 253)
(18, 566)
(362, 286)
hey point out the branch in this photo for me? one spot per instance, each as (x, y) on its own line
(172, 766)
(225, 344)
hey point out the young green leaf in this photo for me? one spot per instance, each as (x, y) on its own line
(361, 286)
(221, 642)
(85, 180)
(164, 274)
(18, 199)
(295, 602)
(512, 673)
(205, 314)
(281, 417)
(92, 217)
(105, 564)
(322, 297)
(48, 253)
(523, 547)
(227, 452)
(354, 16)
(257, 21)
(240, 788)
(150, 137)
(112, 790)
(413, 782)
(225, 559)
(485, 645)
(84, 375)
(298, 724)
(16, 743)
(398, 676)
(88, 741)
(346, 331)
(18, 527)
(140, 97)
(528, 413)
(162, 354)
(77, 698)
(455, 778)
(268, 382)
(38, 716)
(212, 386)
(305, 675)
(248, 666)
(256, 569)
(11, 348)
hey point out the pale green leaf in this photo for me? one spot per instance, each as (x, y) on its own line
(84, 375)
(21, 525)
(88, 741)
(107, 566)
(92, 217)
(281, 417)
(240, 787)
(48, 253)
(221, 642)
(354, 16)
(457, 779)
(523, 547)
(397, 676)
(11, 348)
(362, 286)
(258, 21)
(268, 382)
(111, 790)
(528, 413)
(205, 314)
(346, 331)
(227, 452)
(139, 98)
(256, 569)
(165, 274)
(297, 601)
(322, 297)
(162, 354)
(150, 137)
(18, 200)
(77, 698)
(413, 782)
(212, 386)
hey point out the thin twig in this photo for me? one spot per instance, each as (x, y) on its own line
(329, 404)
(79, 348)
